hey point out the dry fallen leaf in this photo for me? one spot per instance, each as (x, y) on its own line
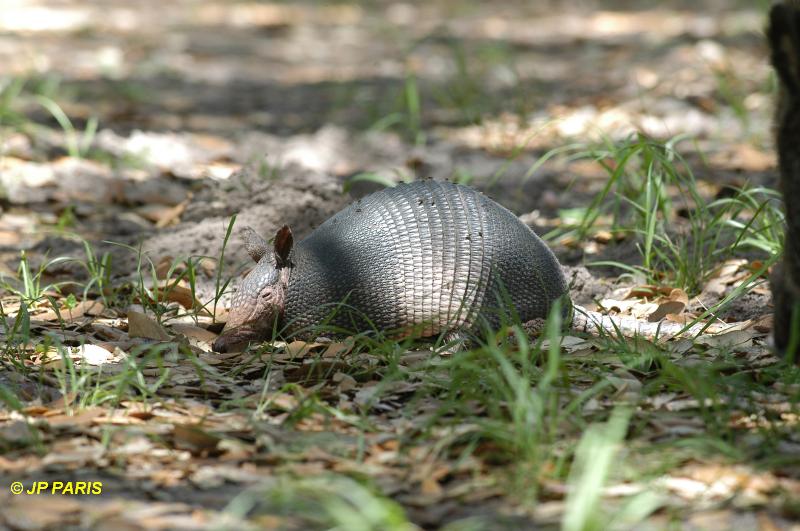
(27, 511)
(665, 308)
(673, 304)
(179, 294)
(16, 432)
(94, 354)
(726, 275)
(647, 292)
(83, 418)
(194, 332)
(430, 487)
(345, 381)
(297, 349)
(338, 349)
(171, 215)
(90, 307)
(735, 338)
(764, 324)
(140, 325)
(193, 438)
(163, 267)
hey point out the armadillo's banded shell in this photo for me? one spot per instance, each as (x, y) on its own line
(430, 255)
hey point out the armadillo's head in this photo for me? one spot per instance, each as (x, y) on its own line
(261, 297)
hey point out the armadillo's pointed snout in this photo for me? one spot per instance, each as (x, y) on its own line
(235, 339)
(221, 344)
(231, 340)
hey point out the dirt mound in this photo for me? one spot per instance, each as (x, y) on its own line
(300, 198)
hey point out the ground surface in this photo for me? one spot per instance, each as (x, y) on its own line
(285, 112)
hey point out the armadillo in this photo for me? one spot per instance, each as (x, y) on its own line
(424, 258)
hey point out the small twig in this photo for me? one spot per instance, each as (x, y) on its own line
(596, 323)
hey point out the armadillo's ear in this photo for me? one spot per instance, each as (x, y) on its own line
(256, 245)
(283, 245)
